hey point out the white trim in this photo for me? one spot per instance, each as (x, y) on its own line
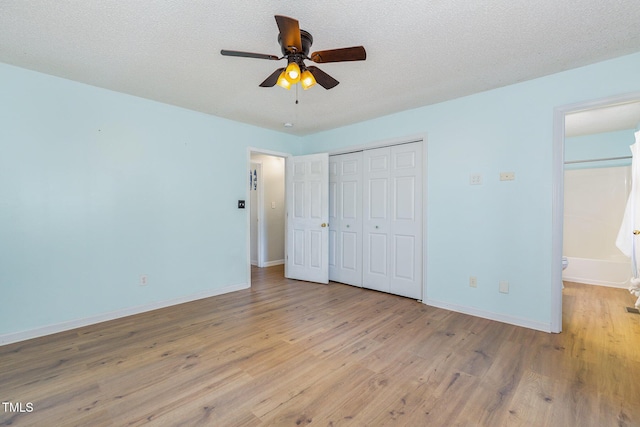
(260, 229)
(92, 320)
(259, 261)
(272, 263)
(512, 320)
(380, 144)
(425, 218)
(557, 201)
(557, 218)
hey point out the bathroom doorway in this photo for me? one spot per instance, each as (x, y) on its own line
(591, 143)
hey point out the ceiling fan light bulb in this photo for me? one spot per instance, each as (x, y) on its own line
(292, 73)
(307, 80)
(283, 82)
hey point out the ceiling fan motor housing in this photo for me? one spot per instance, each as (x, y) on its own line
(305, 39)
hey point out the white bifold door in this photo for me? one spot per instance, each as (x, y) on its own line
(345, 218)
(375, 215)
(307, 196)
(392, 220)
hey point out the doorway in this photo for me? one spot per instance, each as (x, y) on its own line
(267, 208)
(594, 114)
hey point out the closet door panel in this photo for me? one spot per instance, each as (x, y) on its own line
(378, 204)
(350, 251)
(405, 198)
(333, 216)
(406, 220)
(376, 211)
(346, 218)
(404, 253)
(332, 250)
(350, 205)
(378, 259)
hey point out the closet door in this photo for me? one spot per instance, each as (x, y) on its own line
(376, 223)
(406, 220)
(392, 220)
(345, 218)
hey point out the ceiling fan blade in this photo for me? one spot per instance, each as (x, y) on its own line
(356, 53)
(322, 78)
(248, 54)
(289, 32)
(272, 79)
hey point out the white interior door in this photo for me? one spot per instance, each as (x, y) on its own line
(392, 220)
(345, 218)
(307, 255)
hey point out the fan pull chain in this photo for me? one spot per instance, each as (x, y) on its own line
(296, 107)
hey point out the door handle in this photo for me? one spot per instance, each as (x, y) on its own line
(324, 224)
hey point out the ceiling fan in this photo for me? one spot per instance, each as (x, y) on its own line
(295, 44)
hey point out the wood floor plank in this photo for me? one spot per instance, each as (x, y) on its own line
(294, 353)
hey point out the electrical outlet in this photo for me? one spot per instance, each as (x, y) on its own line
(240, 204)
(475, 179)
(507, 176)
(473, 281)
(504, 287)
(143, 280)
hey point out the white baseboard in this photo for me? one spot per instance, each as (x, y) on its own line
(272, 263)
(78, 323)
(587, 281)
(512, 320)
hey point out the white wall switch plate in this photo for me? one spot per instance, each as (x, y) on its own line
(504, 287)
(473, 281)
(507, 176)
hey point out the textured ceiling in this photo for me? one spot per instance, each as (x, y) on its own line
(419, 52)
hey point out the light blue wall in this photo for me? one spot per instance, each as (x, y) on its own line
(498, 230)
(98, 188)
(599, 146)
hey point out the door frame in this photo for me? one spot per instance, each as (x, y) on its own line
(557, 202)
(259, 215)
(285, 156)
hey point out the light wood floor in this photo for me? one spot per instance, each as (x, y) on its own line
(289, 353)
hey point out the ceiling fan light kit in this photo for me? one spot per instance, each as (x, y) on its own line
(295, 44)
(307, 80)
(283, 81)
(292, 73)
